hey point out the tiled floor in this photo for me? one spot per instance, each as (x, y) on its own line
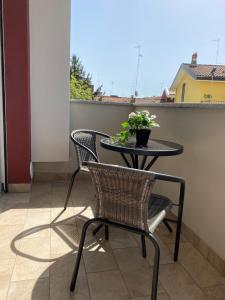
(38, 247)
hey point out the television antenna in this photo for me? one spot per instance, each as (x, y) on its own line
(139, 56)
(112, 86)
(217, 41)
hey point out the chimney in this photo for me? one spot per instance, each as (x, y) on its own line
(194, 58)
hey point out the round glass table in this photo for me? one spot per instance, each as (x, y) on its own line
(155, 148)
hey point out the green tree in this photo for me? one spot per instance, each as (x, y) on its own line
(81, 86)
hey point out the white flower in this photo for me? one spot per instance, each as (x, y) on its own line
(145, 112)
(153, 117)
(131, 115)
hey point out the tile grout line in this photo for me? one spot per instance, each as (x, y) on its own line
(50, 236)
(195, 282)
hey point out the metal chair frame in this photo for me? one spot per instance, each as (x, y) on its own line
(103, 221)
(79, 146)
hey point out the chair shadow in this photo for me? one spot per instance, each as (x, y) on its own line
(57, 263)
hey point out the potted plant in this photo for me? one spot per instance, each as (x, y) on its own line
(139, 123)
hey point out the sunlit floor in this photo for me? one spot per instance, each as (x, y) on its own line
(38, 249)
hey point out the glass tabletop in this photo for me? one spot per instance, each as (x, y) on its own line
(155, 147)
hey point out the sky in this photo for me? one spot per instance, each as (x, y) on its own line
(105, 33)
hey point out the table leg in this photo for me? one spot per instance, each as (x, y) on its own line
(125, 159)
(151, 163)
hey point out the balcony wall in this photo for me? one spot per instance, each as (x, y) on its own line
(200, 129)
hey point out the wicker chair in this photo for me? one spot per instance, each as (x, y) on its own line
(122, 200)
(85, 145)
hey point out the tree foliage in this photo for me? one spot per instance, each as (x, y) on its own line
(81, 86)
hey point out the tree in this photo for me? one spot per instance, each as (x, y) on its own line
(81, 86)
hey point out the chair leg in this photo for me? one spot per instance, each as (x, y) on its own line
(143, 246)
(80, 249)
(179, 222)
(167, 225)
(70, 188)
(96, 230)
(155, 266)
(177, 239)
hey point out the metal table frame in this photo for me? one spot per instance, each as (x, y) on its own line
(170, 149)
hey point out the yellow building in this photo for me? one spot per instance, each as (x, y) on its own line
(199, 83)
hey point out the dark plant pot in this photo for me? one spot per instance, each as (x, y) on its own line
(142, 136)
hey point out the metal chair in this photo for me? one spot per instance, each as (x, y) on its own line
(85, 146)
(122, 200)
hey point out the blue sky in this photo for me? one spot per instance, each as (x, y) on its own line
(104, 34)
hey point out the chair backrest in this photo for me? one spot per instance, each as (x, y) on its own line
(85, 144)
(122, 194)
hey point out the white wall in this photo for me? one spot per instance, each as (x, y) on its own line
(202, 133)
(85, 115)
(49, 75)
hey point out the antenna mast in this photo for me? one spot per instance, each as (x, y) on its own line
(112, 86)
(137, 70)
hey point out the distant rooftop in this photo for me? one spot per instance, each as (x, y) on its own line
(205, 72)
(112, 98)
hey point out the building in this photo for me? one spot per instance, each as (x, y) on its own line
(117, 99)
(167, 96)
(199, 83)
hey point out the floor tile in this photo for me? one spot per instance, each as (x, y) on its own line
(121, 239)
(178, 284)
(65, 216)
(29, 289)
(26, 269)
(215, 293)
(166, 254)
(136, 271)
(6, 268)
(4, 286)
(39, 243)
(107, 286)
(198, 267)
(99, 258)
(33, 259)
(64, 239)
(36, 249)
(8, 240)
(60, 282)
(13, 216)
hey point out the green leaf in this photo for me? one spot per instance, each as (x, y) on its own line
(125, 125)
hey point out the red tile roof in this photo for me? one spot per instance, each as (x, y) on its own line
(115, 99)
(206, 72)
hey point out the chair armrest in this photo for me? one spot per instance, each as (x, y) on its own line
(170, 178)
(102, 134)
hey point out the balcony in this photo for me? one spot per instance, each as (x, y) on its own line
(38, 243)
